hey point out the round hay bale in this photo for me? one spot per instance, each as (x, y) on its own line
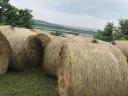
(5, 53)
(45, 38)
(123, 46)
(101, 42)
(79, 39)
(51, 54)
(26, 47)
(92, 70)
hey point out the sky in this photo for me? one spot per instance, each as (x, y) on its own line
(79, 13)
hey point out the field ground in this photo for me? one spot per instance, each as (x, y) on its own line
(32, 83)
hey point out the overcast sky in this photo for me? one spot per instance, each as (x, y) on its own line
(80, 13)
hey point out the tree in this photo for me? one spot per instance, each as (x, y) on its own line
(19, 17)
(121, 32)
(106, 34)
(123, 26)
(108, 30)
(117, 35)
(12, 16)
(99, 34)
(25, 18)
(4, 4)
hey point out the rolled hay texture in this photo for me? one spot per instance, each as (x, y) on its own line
(92, 70)
(79, 39)
(102, 42)
(5, 53)
(25, 46)
(51, 54)
(123, 46)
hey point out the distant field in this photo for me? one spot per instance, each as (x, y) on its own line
(33, 83)
(62, 29)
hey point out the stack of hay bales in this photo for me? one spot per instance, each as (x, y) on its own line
(51, 60)
(25, 46)
(5, 53)
(83, 65)
(123, 46)
(92, 70)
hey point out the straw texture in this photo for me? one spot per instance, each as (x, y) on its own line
(92, 70)
(5, 53)
(25, 46)
(123, 46)
(52, 51)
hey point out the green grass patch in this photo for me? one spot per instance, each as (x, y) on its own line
(32, 83)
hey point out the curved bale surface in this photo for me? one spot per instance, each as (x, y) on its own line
(45, 38)
(51, 55)
(25, 46)
(123, 46)
(101, 42)
(5, 53)
(79, 39)
(92, 70)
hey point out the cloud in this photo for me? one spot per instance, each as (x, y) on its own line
(45, 4)
(80, 13)
(71, 20)
(99, 8)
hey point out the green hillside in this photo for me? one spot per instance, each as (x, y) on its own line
(61, 28)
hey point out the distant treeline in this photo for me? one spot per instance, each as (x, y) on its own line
(10, 15)
(112, 32)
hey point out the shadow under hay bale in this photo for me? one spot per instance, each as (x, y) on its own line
(26, 48)
(92, 70)
(5, 53)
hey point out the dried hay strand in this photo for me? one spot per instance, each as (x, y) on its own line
(26, 48)
(51, 54)
(5, 53)
(92, 70)
(122, 45)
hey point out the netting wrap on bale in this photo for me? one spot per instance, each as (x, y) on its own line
(5, 53)
(53, 48)
(92, 70)
(26, 48)
(123, 46)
